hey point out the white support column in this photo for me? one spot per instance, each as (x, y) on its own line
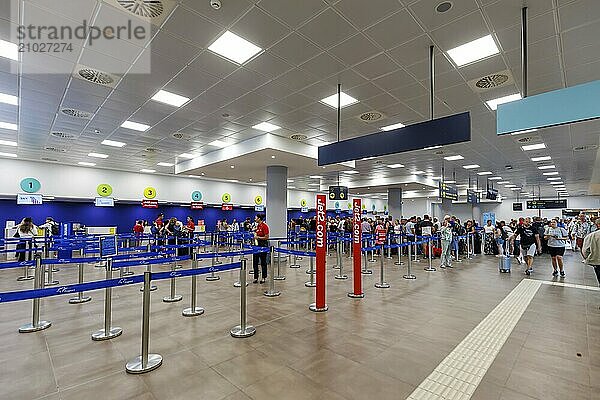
(277, 201)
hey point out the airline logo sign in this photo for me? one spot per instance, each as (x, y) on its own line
(150, 203)
(321, 249)
(356, 247)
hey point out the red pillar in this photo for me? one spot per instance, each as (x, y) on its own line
(321, 253)
(356, 246)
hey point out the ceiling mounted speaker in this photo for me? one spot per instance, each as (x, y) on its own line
(95, 76)
(75, 113)
(371, 116)
(181, 136)
(491, 81)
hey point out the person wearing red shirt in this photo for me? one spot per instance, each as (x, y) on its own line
(380, 234)
(190, 227)
(138, 228)
(261, 238)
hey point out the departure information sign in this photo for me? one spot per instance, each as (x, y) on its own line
(448, 192)
(491, 194)
(338, 193)
(472, 197)
(518, 207)
(546, 204)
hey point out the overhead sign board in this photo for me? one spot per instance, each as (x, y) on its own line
(517, 206)
(29, 199)
(472, 197)
(338, 193)
(448, 192)
(108, 246)
(226, 207)
(491, 194)
(259, 208)
(546, 204)
(104, 202)
(150, 203)
(197, 205)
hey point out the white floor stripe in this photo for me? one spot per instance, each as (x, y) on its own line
(459, 374)
(571, 285)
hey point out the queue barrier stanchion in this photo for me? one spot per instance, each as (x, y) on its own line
(365, 270)
(26, 276)
(458, 260)
(80, 297)
(177, 250)
(50, 281)
(193, 310)
(145, 362)
(278, 277)
(216, 259)
(372, 259)
(311, 283)
(400, 262)
(381, 284)
(149, 269)
(127, 270)
(172, 298)
(430, 267)
(409, 274)
(213, 277)
(38, 283)
(340, 275)
(294, 257)
(271, 292)
(414, 243)
(109, 332)
(243, 330)
(389, 249)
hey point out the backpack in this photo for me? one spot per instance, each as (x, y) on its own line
(54, 228)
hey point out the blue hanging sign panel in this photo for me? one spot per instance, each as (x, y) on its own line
(558, 107)
(108, 246)
(438, 132)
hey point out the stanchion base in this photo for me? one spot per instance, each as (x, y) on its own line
(336, 267)
(372, 260)
(152, 288)
(55, 269)
(192, 312)
(25, 278)
(217, 262)
(173, 299)
(411, 276)
(313, 307)
(356, 296)
(102, 335)
(135, 366)
(28, 328)
(128, 273)
(310, 284)
(430, 269)
(308, 271)
(399, 263)
(237, 284)
(238, 332)
(341, 277)
(213, 278)
(77, 300)
(366, 272)
(382, 285)
(279, 278)
(178, 266)
(294, 266)
(53, 283)
(271, 294)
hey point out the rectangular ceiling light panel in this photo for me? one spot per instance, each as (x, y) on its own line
(169, 98)
(474, 51)
(345, 100)
(234, 48)
(113, 143)
(493, 104)
(136, 126)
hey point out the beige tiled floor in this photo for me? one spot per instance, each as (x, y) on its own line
(383, 345)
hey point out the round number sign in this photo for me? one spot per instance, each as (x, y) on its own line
(303, 203)
(30, 185)
(373, 207)
(104, 189)
(350, 206)
(337, 205)
(196, 195)
(226, 197)
(258, 200)
(332, 196)
(149, 192)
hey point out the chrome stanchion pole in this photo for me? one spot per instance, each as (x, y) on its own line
(49, 276)
(430, 267)
(243, 330)
(399, 262)
(279, 277)
(109, 331)
(381, 284)
(149, 269)
(80, 297)
(337, 254)
(238, 283)
(216, 251)
(416, 258)
(145, 362)
(456, 250)
(389, 249)
(38, 283)
(193, 310)
(127, 270)
(311, 283)
(172, 298)
(26, 276)
(177, 266)
(340, 275)
(213, 277)
(372, 259)
(295, 258)
(409, 274)
(271, 292)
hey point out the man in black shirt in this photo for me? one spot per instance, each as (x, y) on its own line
(530, 243)
(426, 229)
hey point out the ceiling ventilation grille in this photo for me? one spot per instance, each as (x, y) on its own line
(152, 150)
(181, 136)
(63, 135)
(371, 116)
(73, 112)
(491, 81)
(55, 149)
(298, 137)
(49, 159)
(153, 11)
(95, 76)
(586, 147)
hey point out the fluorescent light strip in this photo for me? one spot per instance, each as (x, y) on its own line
(510, 186)
(332, 101)
(449, 181)
(266, 127)
(350, 172)
(485, 173)
(8, 143)
(475, 50)
(169, 98)
(537, 146)
(454, 158)
(234, 48)
(12, 155)
(9, 99)
(495, 178)
(9, 50)
(503, 182)
(87, 164)
(493, 104)
(188, 155)
(165, 164)
(9, 126)
(547, 167)
(148, 171)
(315, 177)
(544, 158)
(556, 183)
(554, 179)
(98, 155)
(472, 166)
(136, 126)
(550, 173)
(113, 143)
(394, 166)
(392, 127)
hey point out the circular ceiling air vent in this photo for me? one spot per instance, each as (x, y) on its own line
(299, 137)
(143, 8)
(524, 140)
(63, 135)
(492, 81)
(151, 150)
(95, 76)
(439, 152)
(586, 147)
(55, 149)
(72, 112)
(371, 116)
(181, 136)
(443, 6)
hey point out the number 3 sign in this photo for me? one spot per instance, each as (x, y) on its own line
(149, 193)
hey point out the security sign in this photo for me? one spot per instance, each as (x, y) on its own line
(149, 192)
(226, 197)
(258, 200)
(104, 190)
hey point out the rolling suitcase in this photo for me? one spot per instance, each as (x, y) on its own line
(504, 264)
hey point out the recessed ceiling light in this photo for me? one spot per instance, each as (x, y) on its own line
(290, 181)
(394, 166)
(8, 143)
(232, 180)
(345, 100)
(9, 126)
(495, 178)
(550, 173)
(510, 186)
(136, 126)
(218, 143)
(315, 177)
(350, 172)
(87, 164)
(418, 172)
(485, 173)
(537, 146)
(165, 164)
(454, 158)
(169, 98)
(188, 155)
(472, 166)
(554, 179)
(392, 127)
(266, 127)
(9, 99)
(113, 143)
(556, 183)
(314, 184)
(525, 131)
(9, 50)
(547, 167)
(13, 155)
(493, 104)
(545, 158)
(516, 188)
(291, 187)
(232, 166)
(234, 48)
(148, 171)
(503, 182)
(98, 155)
(272, 157)
(473, 51)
